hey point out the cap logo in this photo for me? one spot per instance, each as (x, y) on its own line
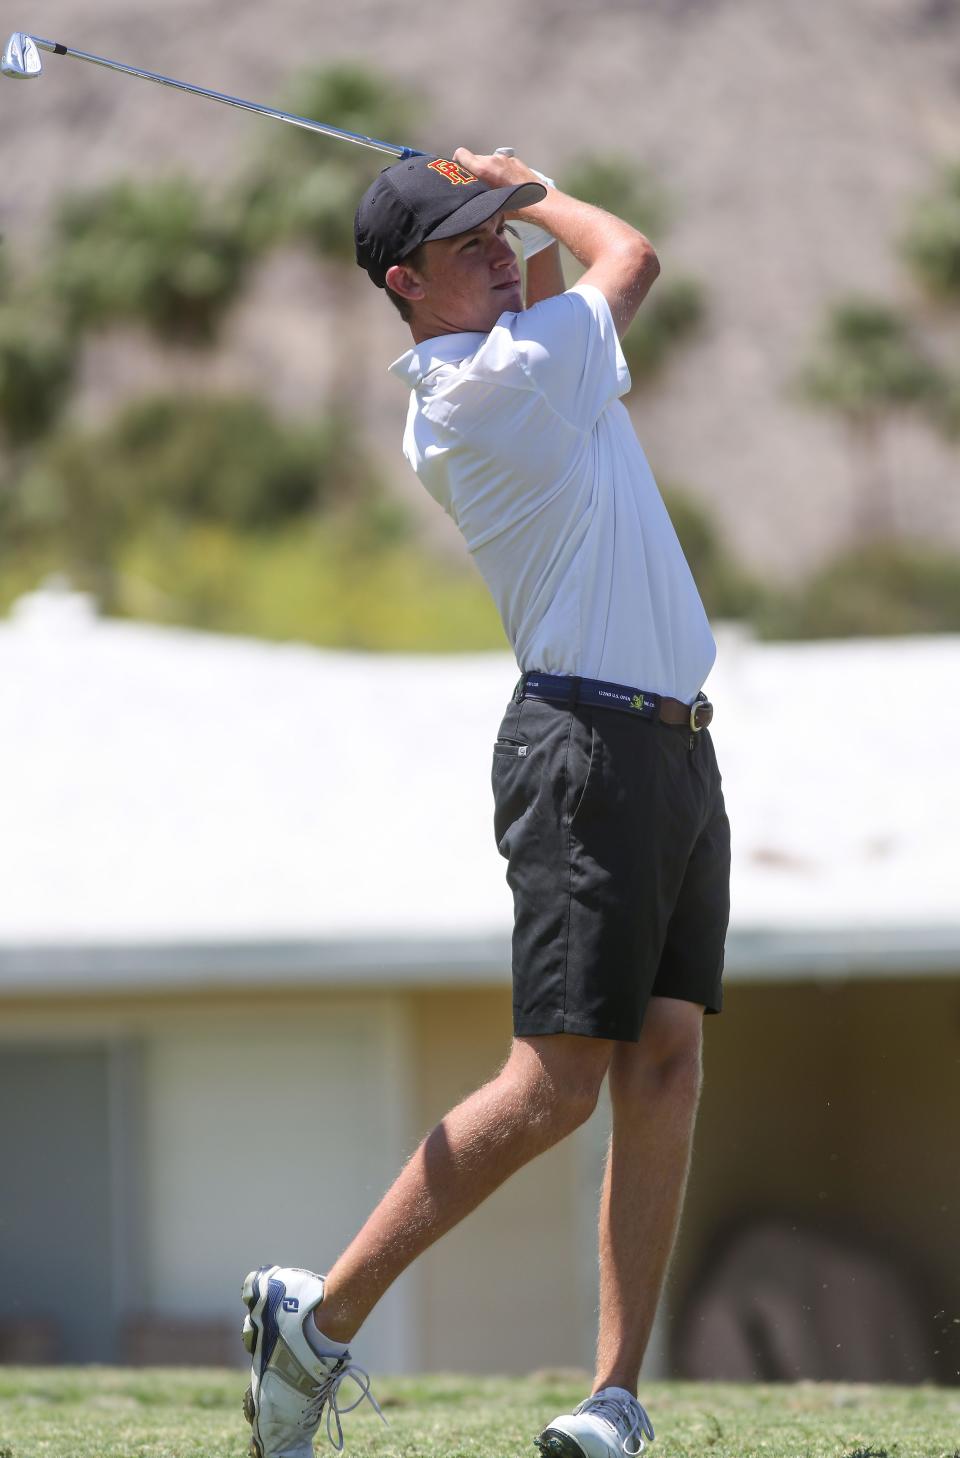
(452, 171)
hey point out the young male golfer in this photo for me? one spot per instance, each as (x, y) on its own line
(608, 806)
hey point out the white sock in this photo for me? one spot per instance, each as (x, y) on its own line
(320, 1344)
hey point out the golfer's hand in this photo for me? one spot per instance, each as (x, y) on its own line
(495, 170)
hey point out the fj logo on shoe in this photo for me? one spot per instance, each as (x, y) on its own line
(291, 1303)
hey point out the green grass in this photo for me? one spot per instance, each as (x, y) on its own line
(127, 1413)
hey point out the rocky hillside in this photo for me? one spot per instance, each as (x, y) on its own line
(792, 137)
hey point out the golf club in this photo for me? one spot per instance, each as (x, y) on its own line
(22, 61)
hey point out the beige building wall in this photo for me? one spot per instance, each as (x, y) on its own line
(833, 1103)
(268, 1126)
(268, 1140)
(272, 1122)
(512, 1289)
(837, 1104)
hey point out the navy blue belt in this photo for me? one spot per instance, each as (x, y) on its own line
(561, 689)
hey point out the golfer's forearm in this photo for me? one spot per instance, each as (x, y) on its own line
(618, 259)
(544, 276)
(589, 232)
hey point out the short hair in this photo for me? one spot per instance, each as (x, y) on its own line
(417, 259)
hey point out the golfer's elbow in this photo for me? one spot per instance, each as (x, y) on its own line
(625, 274)
(637, 265)
(641, 267)
(646, 262)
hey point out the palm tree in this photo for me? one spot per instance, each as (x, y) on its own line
(37, 367)
(931, 249)
(164, 469)
(677, 307)
(868, 367)
(305, 188)
(931, 243)
(160, 254)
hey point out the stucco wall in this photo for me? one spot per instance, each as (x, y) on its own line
(267, 1125)
(838, 1106)
(510, 1290)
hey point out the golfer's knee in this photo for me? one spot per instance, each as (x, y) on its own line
(559, 1078)
(569, 1105)
(677, 1072)
(666, 1063)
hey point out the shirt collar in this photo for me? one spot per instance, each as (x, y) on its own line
(418, 362)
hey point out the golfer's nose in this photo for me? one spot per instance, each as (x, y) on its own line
(503, 253)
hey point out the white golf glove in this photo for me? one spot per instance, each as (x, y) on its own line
(532, 238)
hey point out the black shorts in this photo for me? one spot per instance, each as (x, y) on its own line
(618, 851)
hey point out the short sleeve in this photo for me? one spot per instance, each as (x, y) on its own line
(568, 349)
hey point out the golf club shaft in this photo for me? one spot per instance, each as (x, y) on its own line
(56, 49)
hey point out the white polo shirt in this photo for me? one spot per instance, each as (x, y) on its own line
(520, 436)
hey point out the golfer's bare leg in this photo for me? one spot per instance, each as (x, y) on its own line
(654, 1091)
(547, 1087)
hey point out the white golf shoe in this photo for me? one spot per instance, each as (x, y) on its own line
(290, 1385)
(609, 1424)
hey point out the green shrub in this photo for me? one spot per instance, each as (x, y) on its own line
(322, 583)
(307, 186)
(37, 367)
(948, 416)
(676, 307)
(869, 361)
(889, 587)
(226, 460)
(727, 590)
(166, 464)
(229, 460)
(621, 186)
(159, 254)
(672, 314)
(931, 245)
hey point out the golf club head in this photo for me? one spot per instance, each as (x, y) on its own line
(21, 59)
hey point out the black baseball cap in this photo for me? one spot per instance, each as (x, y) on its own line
(423, 198)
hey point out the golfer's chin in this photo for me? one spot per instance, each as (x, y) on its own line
(508, 297)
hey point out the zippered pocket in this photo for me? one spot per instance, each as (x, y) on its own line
(513, 751)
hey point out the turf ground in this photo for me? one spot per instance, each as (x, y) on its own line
(127, 1413)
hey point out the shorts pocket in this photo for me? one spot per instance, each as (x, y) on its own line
(515, 779)
(581, 769)
(510, 750)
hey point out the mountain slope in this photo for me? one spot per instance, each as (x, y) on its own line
(791, 138)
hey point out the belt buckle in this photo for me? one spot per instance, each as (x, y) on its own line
(700, 702)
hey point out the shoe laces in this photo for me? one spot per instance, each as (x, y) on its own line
(626, 1415)
(326, 1393)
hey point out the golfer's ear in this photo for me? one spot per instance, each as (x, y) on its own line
(404, 281)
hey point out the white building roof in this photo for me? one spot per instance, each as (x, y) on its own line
(177, 806)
